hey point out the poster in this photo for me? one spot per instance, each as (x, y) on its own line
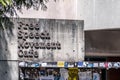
(73, 74)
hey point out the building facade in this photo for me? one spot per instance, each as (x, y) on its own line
(97, 15)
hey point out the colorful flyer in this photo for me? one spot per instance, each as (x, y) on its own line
(80, 64)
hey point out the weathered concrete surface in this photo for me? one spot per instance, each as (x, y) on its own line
(97, 14)
(68, 32)
(8, 70)
(8, 40)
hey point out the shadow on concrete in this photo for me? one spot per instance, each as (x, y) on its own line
(6, 33)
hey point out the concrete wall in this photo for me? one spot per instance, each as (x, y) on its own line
(61, 9)
(8, 56)
(97, 14)
(68, 32)
(8, 40)
(9, 70)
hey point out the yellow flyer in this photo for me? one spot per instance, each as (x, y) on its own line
(60, 64)
(73, 74)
